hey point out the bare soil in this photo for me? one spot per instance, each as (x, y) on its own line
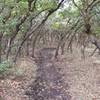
(43, 78)
(49, 83)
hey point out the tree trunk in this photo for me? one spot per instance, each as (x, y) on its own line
(57, 50)
(27, 47)
(18, 51)
(9, 47)
(0, 47)
(33, 45)
(62, 48)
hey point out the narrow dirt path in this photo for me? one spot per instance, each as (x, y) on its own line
(49, 83)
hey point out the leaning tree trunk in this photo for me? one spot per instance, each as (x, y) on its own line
(18, 51)
(8, 48)
(95, 41)
(34, 44)
(0, 47)
(27, 47)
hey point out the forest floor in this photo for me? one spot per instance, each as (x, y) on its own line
(43, 78)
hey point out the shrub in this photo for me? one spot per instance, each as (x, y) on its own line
(4, 66)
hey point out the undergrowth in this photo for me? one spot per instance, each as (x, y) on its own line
(5, 66)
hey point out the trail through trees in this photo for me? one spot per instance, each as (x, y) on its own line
(49, 83)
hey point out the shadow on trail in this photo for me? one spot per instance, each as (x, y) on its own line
(49, 83)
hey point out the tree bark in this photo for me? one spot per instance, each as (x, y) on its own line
(1, 35)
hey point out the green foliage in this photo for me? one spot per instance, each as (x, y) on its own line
(4, 66)
(56, 25)
(23, 7)
(46, 4)
(10, 27)
(69, 12)
(9, 3)
(10, 14)
(97, 31)
(1, 24)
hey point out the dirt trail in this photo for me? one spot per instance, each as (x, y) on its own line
(49, 83)
(69, 78)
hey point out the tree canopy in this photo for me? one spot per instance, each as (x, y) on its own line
(24, 22)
